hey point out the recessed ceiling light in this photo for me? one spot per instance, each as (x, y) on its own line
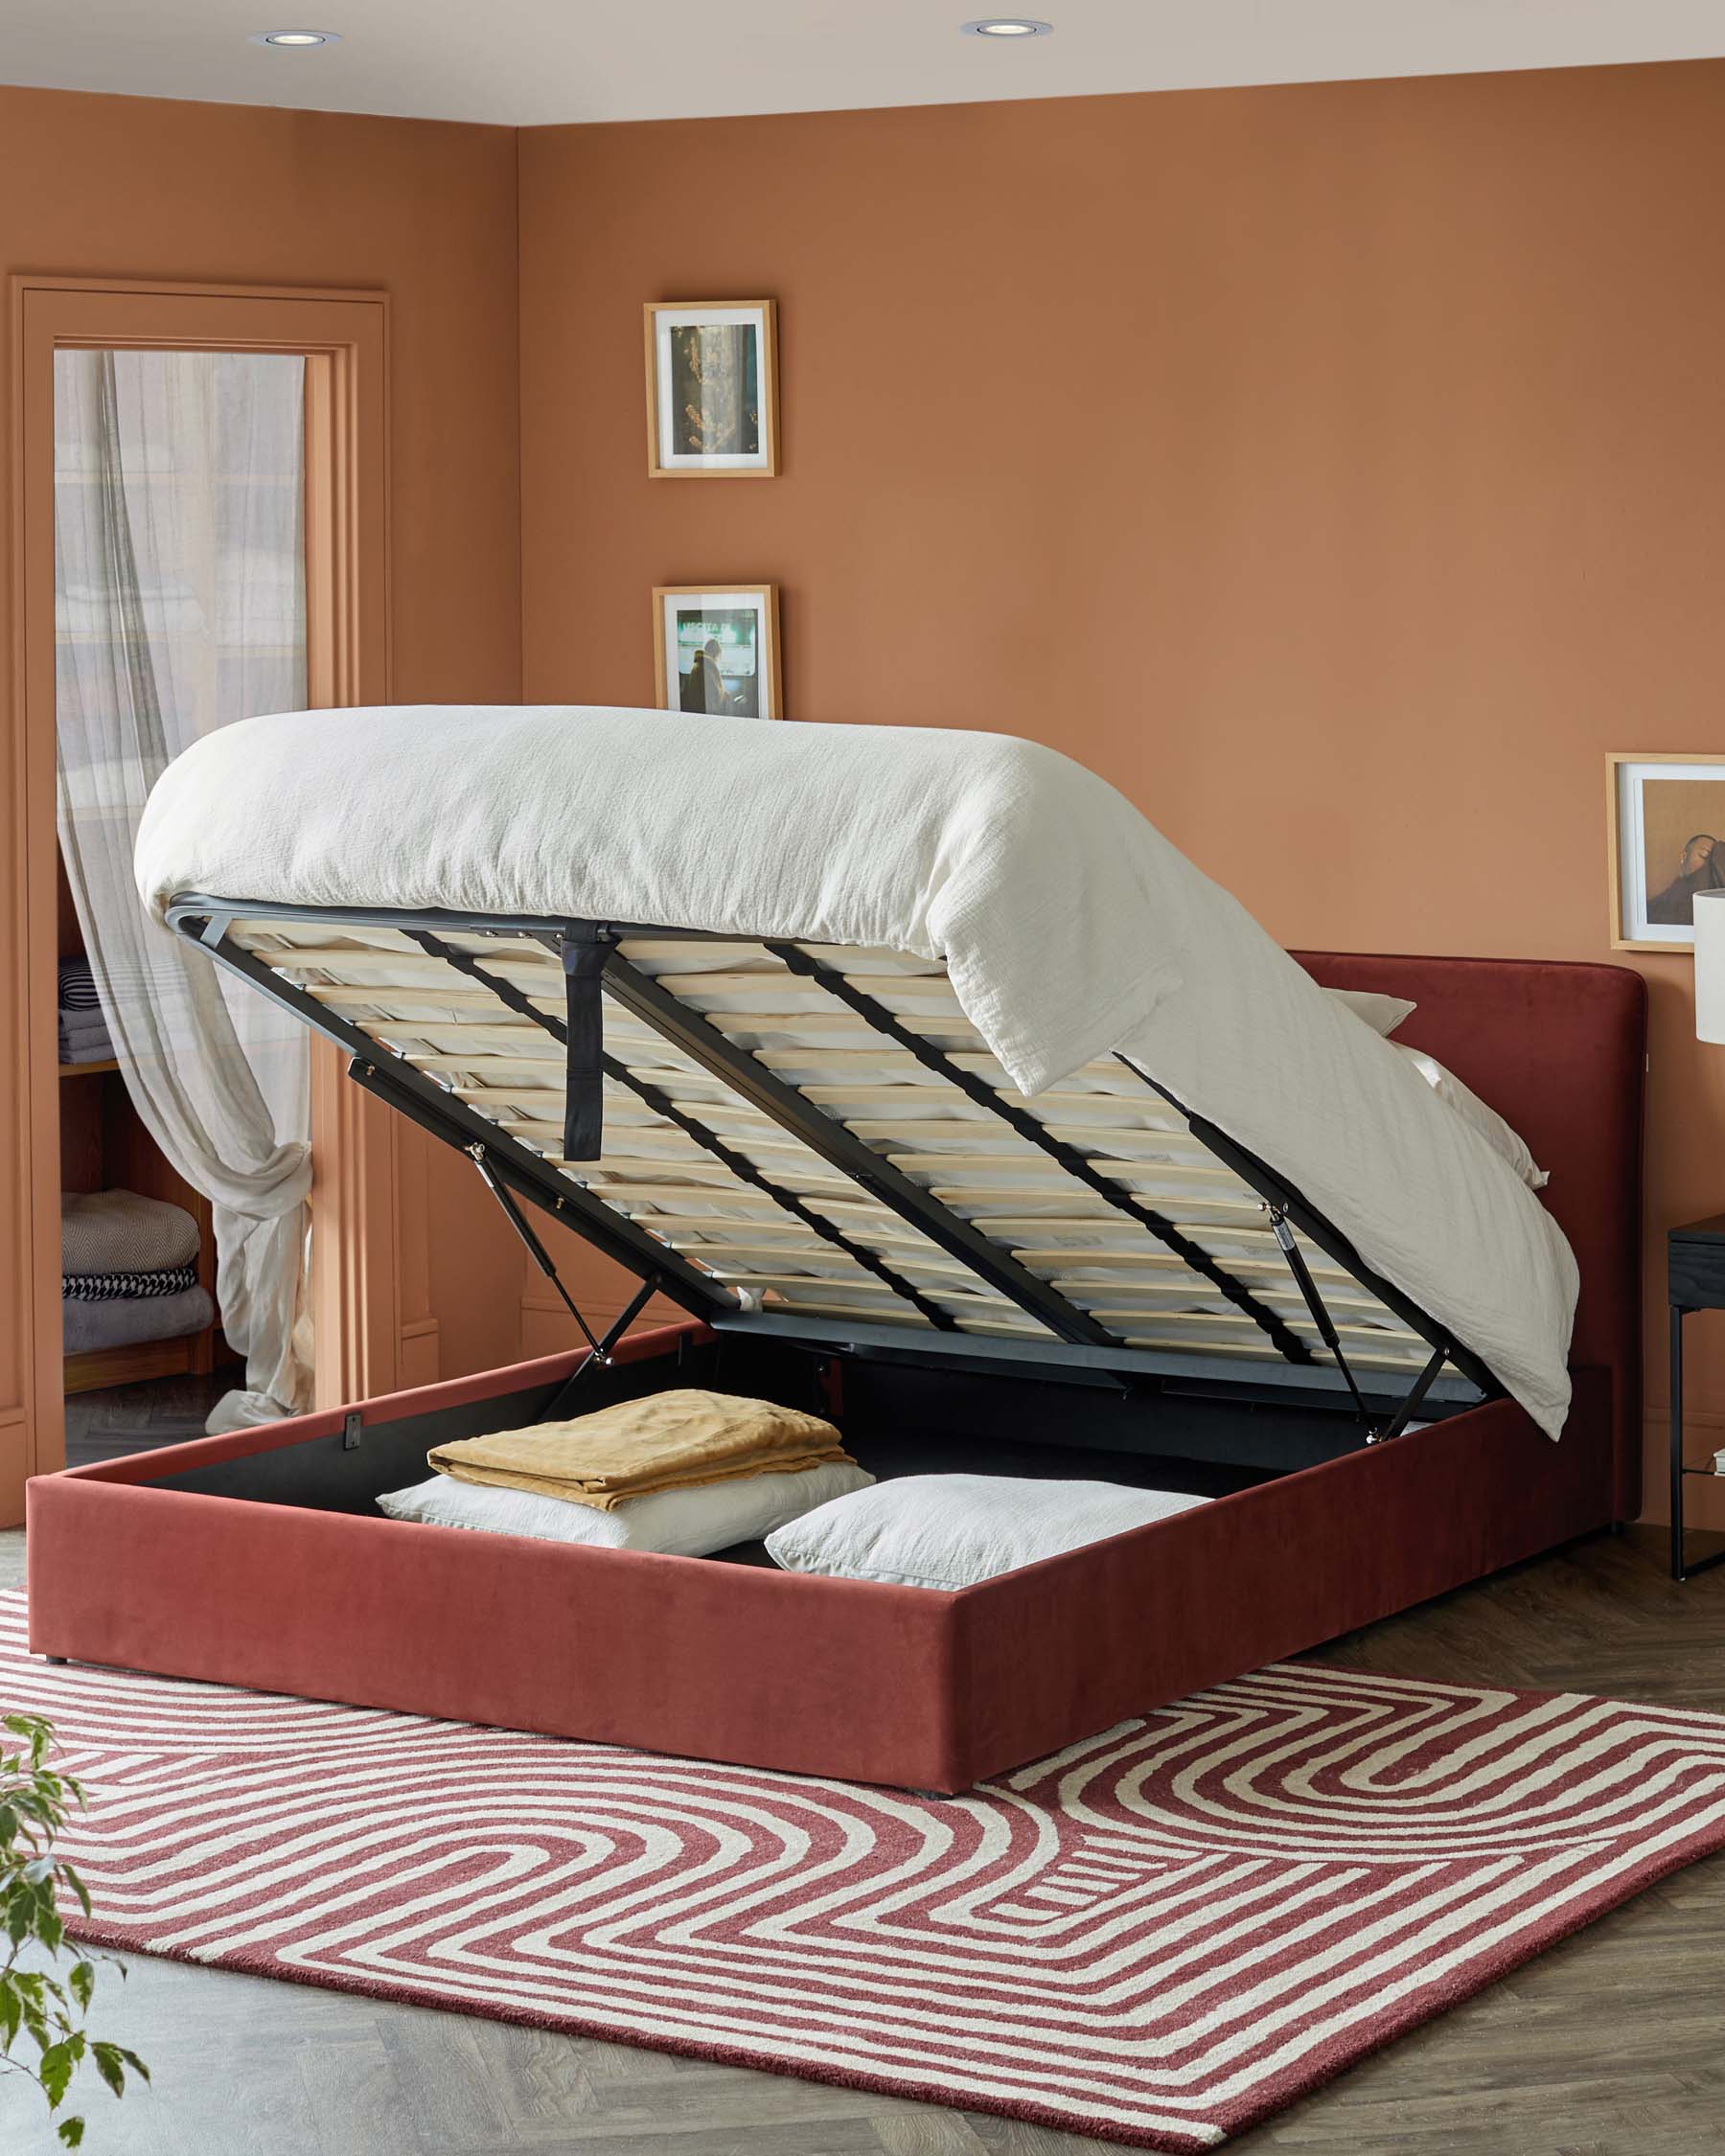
(297, 37)
(1008, 25)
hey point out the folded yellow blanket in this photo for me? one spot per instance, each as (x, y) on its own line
(667, 1441)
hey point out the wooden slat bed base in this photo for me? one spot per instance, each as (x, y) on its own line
(455, 1030)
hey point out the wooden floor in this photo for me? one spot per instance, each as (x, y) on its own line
(133, 1418)
(1611, 2045)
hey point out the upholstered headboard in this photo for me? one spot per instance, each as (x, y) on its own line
(1560, 1051)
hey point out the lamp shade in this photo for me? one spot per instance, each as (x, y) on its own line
(1709, 965)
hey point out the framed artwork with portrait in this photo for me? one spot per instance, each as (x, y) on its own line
(1666, 836)
(712, 390)
(716, 649)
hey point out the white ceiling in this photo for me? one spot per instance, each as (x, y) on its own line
(525, 62)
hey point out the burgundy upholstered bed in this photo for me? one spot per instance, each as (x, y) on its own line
(258, 1558)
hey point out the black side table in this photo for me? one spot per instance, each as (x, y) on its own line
(1695, 1276)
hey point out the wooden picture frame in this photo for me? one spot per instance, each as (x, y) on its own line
(738, 411)
(1662, 833)
(742, 619)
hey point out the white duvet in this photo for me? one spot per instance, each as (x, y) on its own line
(1069, 928)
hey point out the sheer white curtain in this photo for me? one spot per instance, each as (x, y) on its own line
(180, 603)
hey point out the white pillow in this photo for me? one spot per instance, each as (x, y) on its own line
(1472, 1111)
(951, 1530)
(676, 1523)
(1382, 1013)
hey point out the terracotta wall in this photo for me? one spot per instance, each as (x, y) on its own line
(1339, 470)
(135, 187)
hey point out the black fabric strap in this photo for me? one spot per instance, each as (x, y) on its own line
(584, 958)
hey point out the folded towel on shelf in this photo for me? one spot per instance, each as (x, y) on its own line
(128, 1287)
(84, 1028)
(89, 1326)
(74, 1023)
(77, 986)
(668, 1442)
(119, 1231)
(85, 1041)
(101, 1050)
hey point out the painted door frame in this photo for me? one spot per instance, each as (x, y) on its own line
(344, 338)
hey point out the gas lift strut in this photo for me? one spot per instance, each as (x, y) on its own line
(1375, 1434)
(604, 1349)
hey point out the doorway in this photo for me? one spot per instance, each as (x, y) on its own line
(184, 1101)
(201, 531)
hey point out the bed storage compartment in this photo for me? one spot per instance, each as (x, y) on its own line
(259, 1559)
(811, 1151)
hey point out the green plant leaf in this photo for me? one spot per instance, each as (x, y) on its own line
(33, 1807)
(76, 1886)
(56, 2073)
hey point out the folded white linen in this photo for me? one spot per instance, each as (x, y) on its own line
(951, 1530)
(1069, 926)
(690, 1522)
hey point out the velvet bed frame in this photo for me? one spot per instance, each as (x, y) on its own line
(258, 1559)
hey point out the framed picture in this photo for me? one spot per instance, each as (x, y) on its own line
(712, 390)
(717, 651)
(1668, 841)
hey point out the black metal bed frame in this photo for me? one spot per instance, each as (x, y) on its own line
(1078, 1348)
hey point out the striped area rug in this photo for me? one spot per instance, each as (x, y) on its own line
(1157, 1937)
